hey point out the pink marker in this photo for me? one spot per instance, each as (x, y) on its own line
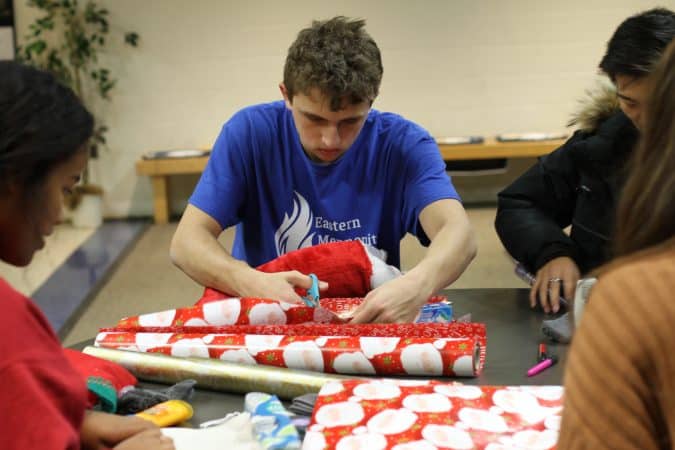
(540, 367)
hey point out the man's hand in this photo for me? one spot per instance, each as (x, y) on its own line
(452, 248)
(196, 250)
(147, 440)
(278, 286)
(398, 300)
(548, 283)
(102, 430)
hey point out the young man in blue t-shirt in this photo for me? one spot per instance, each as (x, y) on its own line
(322, 166)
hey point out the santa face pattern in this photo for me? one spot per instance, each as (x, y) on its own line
(429, 415)
(363, 355)
(247, 311)
(390, 332)
(258, 331)
(229, 311)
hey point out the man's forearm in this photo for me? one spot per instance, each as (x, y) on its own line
(205, 260)
(450, 252)
(399, 300)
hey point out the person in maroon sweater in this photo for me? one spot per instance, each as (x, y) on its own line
(43, 133)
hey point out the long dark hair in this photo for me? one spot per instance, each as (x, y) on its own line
(42, 123)
(646, 212)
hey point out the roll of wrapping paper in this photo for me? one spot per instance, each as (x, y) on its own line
(217, 375)
(431, 330)
(365, 355)
(247, 311)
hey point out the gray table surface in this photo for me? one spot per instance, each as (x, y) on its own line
(513, 337)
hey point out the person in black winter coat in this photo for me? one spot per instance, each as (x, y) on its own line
(578, 184)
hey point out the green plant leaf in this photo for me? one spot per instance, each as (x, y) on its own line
(131, 38)
(66, 40)
(46, 23)
(36, 47)
(36, 30)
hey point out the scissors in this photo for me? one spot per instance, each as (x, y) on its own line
(321, 314)
(312, 297)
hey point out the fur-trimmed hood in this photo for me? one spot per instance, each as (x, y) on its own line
(597, 106)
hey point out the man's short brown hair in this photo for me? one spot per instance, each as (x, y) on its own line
(337, 57)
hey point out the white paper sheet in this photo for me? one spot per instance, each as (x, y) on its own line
(235, 434)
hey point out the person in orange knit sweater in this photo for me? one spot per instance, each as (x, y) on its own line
(43, 133)
(620, 374)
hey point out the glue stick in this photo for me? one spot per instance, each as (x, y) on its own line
(171, 412)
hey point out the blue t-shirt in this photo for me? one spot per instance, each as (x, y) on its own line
(259, 178)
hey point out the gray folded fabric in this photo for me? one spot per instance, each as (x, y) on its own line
(559, 329)
(138, 399)
(303, 405)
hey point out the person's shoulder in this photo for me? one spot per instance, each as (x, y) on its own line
(575, 143)
(394, 123)
(572, 153)
(274, 108)
(613, 140)
(644, 276)
(22, 325)
(659, 259)
(398, 132)
(7, 291)
(257, 124)
(14, 304)
(270, 111)
(603, 134)
(616, 124)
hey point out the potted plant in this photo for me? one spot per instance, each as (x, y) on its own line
(67, 40)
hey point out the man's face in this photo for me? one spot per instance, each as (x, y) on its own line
(325, 135)
(633, 93)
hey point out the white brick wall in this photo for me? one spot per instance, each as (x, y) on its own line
(455, 66)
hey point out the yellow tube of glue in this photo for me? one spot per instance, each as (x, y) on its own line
(171, 412)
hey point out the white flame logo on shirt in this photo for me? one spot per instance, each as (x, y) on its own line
(295, 231)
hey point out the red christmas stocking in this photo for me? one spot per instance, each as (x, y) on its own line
(350, 268)
(104, 379)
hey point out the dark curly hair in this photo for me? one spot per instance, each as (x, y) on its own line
(339, 58)
(42, 124)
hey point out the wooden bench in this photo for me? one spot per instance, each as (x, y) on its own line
(159, 170)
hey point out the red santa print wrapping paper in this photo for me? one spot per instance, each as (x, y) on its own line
(356, 355)
(430, 330)
(246, 311)
(230, 311)
(429, 415)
